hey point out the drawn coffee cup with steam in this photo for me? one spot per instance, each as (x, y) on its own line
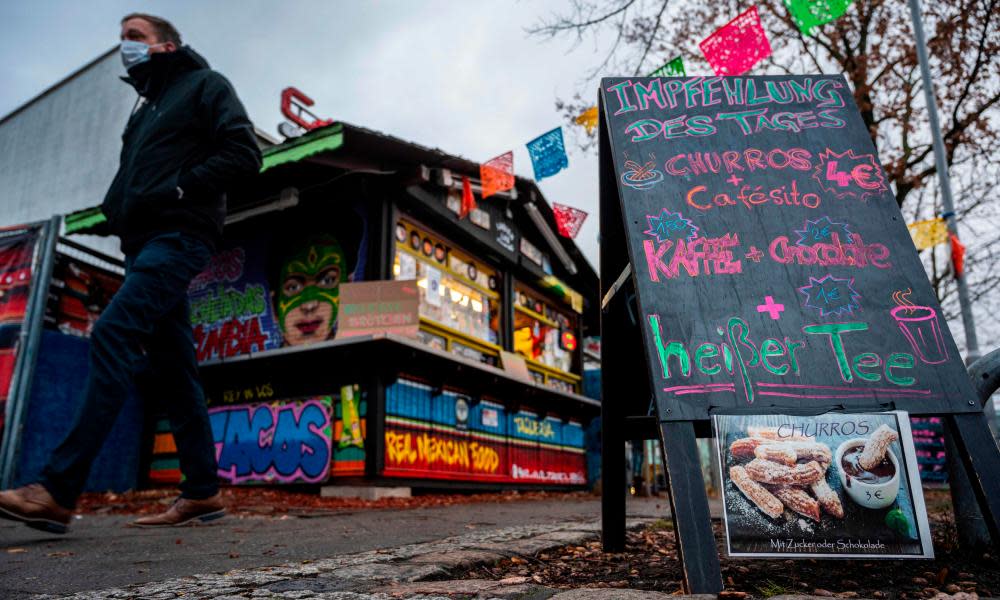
(921, 328)
(869, 469)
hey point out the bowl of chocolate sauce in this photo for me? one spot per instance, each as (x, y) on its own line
(871, 488)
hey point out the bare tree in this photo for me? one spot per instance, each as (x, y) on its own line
(872, 45)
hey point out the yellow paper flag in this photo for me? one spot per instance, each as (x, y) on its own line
(588, 119)
(929, 233)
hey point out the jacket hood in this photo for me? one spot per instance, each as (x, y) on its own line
(186, 58)
(161, 67)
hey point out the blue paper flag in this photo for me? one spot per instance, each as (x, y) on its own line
(548, 154)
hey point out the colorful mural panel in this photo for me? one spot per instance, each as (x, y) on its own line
(546, 450)
(443, 434)
(288, 441)
(266, 289)
(273, 443)
(78, 294)
(349, 433)
(417, 450)
(230, 304)
(16, 252)
(928, 439)
(8, 344)
(164, 468)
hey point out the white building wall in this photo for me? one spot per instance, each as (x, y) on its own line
(60, 152)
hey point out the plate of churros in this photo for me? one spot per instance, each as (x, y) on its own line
(831, 484)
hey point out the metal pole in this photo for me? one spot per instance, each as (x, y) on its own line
(971, 343)
(973, 534)
(32, 329)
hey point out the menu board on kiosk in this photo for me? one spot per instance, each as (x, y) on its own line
(772, 266)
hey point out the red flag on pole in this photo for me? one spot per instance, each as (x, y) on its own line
(497, 174)
(957, 255)
(569, 220)
(468, 199)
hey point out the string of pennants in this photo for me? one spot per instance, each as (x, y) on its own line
(548, 157)
(931, 232)
(740, 44)
(928, 233)
(733, 49)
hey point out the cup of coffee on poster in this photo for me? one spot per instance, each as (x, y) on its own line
(869, 469)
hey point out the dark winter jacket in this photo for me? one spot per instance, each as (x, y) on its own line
(188, 142)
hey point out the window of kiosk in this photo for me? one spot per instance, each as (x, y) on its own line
(459, 302)
(543, 333)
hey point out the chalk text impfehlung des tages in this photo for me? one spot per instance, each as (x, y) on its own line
(747, 104)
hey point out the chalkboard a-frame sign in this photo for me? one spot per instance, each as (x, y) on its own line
(751, 222)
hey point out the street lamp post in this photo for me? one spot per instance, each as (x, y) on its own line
(972, 531)
(971, 343)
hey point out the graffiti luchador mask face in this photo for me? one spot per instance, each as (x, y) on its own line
(308, 297)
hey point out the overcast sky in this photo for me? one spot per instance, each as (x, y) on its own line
(462, 76)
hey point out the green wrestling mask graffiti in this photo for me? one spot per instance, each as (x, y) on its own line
(308, 295)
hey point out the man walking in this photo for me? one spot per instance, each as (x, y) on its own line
(188, 140)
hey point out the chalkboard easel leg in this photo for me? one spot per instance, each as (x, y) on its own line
(981, 456)
(697, 551)
(969, 523)
(612, 478)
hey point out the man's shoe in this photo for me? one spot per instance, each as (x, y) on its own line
(34, 506)
(185, 510)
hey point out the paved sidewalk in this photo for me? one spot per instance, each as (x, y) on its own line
(413, 571)
(362, 546)
(409, 571)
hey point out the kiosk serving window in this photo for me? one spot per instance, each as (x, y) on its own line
(459, 303)
(546, 335)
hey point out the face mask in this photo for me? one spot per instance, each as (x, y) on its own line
(134, 53)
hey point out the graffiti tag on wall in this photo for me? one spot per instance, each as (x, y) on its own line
(426, 450)
(531, 427)
(230, 312)
(577, 477)
(273, 443)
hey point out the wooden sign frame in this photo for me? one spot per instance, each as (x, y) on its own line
(628, 398)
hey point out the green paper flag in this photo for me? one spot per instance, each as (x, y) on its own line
(674, 68)
(813, 13)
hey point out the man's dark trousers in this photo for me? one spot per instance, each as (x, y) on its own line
(143, 336)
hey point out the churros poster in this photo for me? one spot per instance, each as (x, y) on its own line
(844, 485)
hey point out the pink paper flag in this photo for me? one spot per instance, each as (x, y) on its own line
(739, 45)
(497, 174)
(569, 220)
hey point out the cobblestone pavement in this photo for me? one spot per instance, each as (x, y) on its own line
(409, 571)
(417, 571)
(100, 552)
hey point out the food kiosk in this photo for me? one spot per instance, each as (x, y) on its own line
(363, 323)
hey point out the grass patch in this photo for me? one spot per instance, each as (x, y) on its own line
(661, 524)
(770, 588)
